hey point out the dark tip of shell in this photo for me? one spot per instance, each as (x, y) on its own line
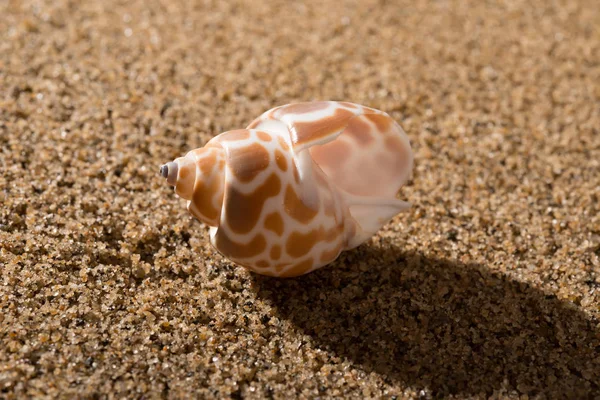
(169, 171)
(164, 170)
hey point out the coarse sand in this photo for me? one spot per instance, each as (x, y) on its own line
(489, 286)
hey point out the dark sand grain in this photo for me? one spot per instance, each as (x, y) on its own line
(488, 286)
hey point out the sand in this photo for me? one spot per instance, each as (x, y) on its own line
(488, 287)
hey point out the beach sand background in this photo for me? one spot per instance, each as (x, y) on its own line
(488, 286)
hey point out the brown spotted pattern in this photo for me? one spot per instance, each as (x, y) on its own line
(280, 160)
(204, 172)
(307, 132)
(274, 223)
(249, 161)
(293, 230)
(296, 208)
(280, 214)
(264, 136)
(237, 250)
(244, 210)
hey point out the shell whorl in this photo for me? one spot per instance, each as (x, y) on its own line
(265, 224)
(199, 179)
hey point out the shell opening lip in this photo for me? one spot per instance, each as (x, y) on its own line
(169, 171)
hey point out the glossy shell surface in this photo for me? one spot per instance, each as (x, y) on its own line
(302, 183)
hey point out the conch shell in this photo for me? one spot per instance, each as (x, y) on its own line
(302, 183)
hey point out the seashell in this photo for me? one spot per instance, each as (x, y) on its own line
(302, 183)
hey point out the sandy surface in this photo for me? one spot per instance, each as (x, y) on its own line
(488, 286)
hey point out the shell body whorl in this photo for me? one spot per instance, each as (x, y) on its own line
(301, 184)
